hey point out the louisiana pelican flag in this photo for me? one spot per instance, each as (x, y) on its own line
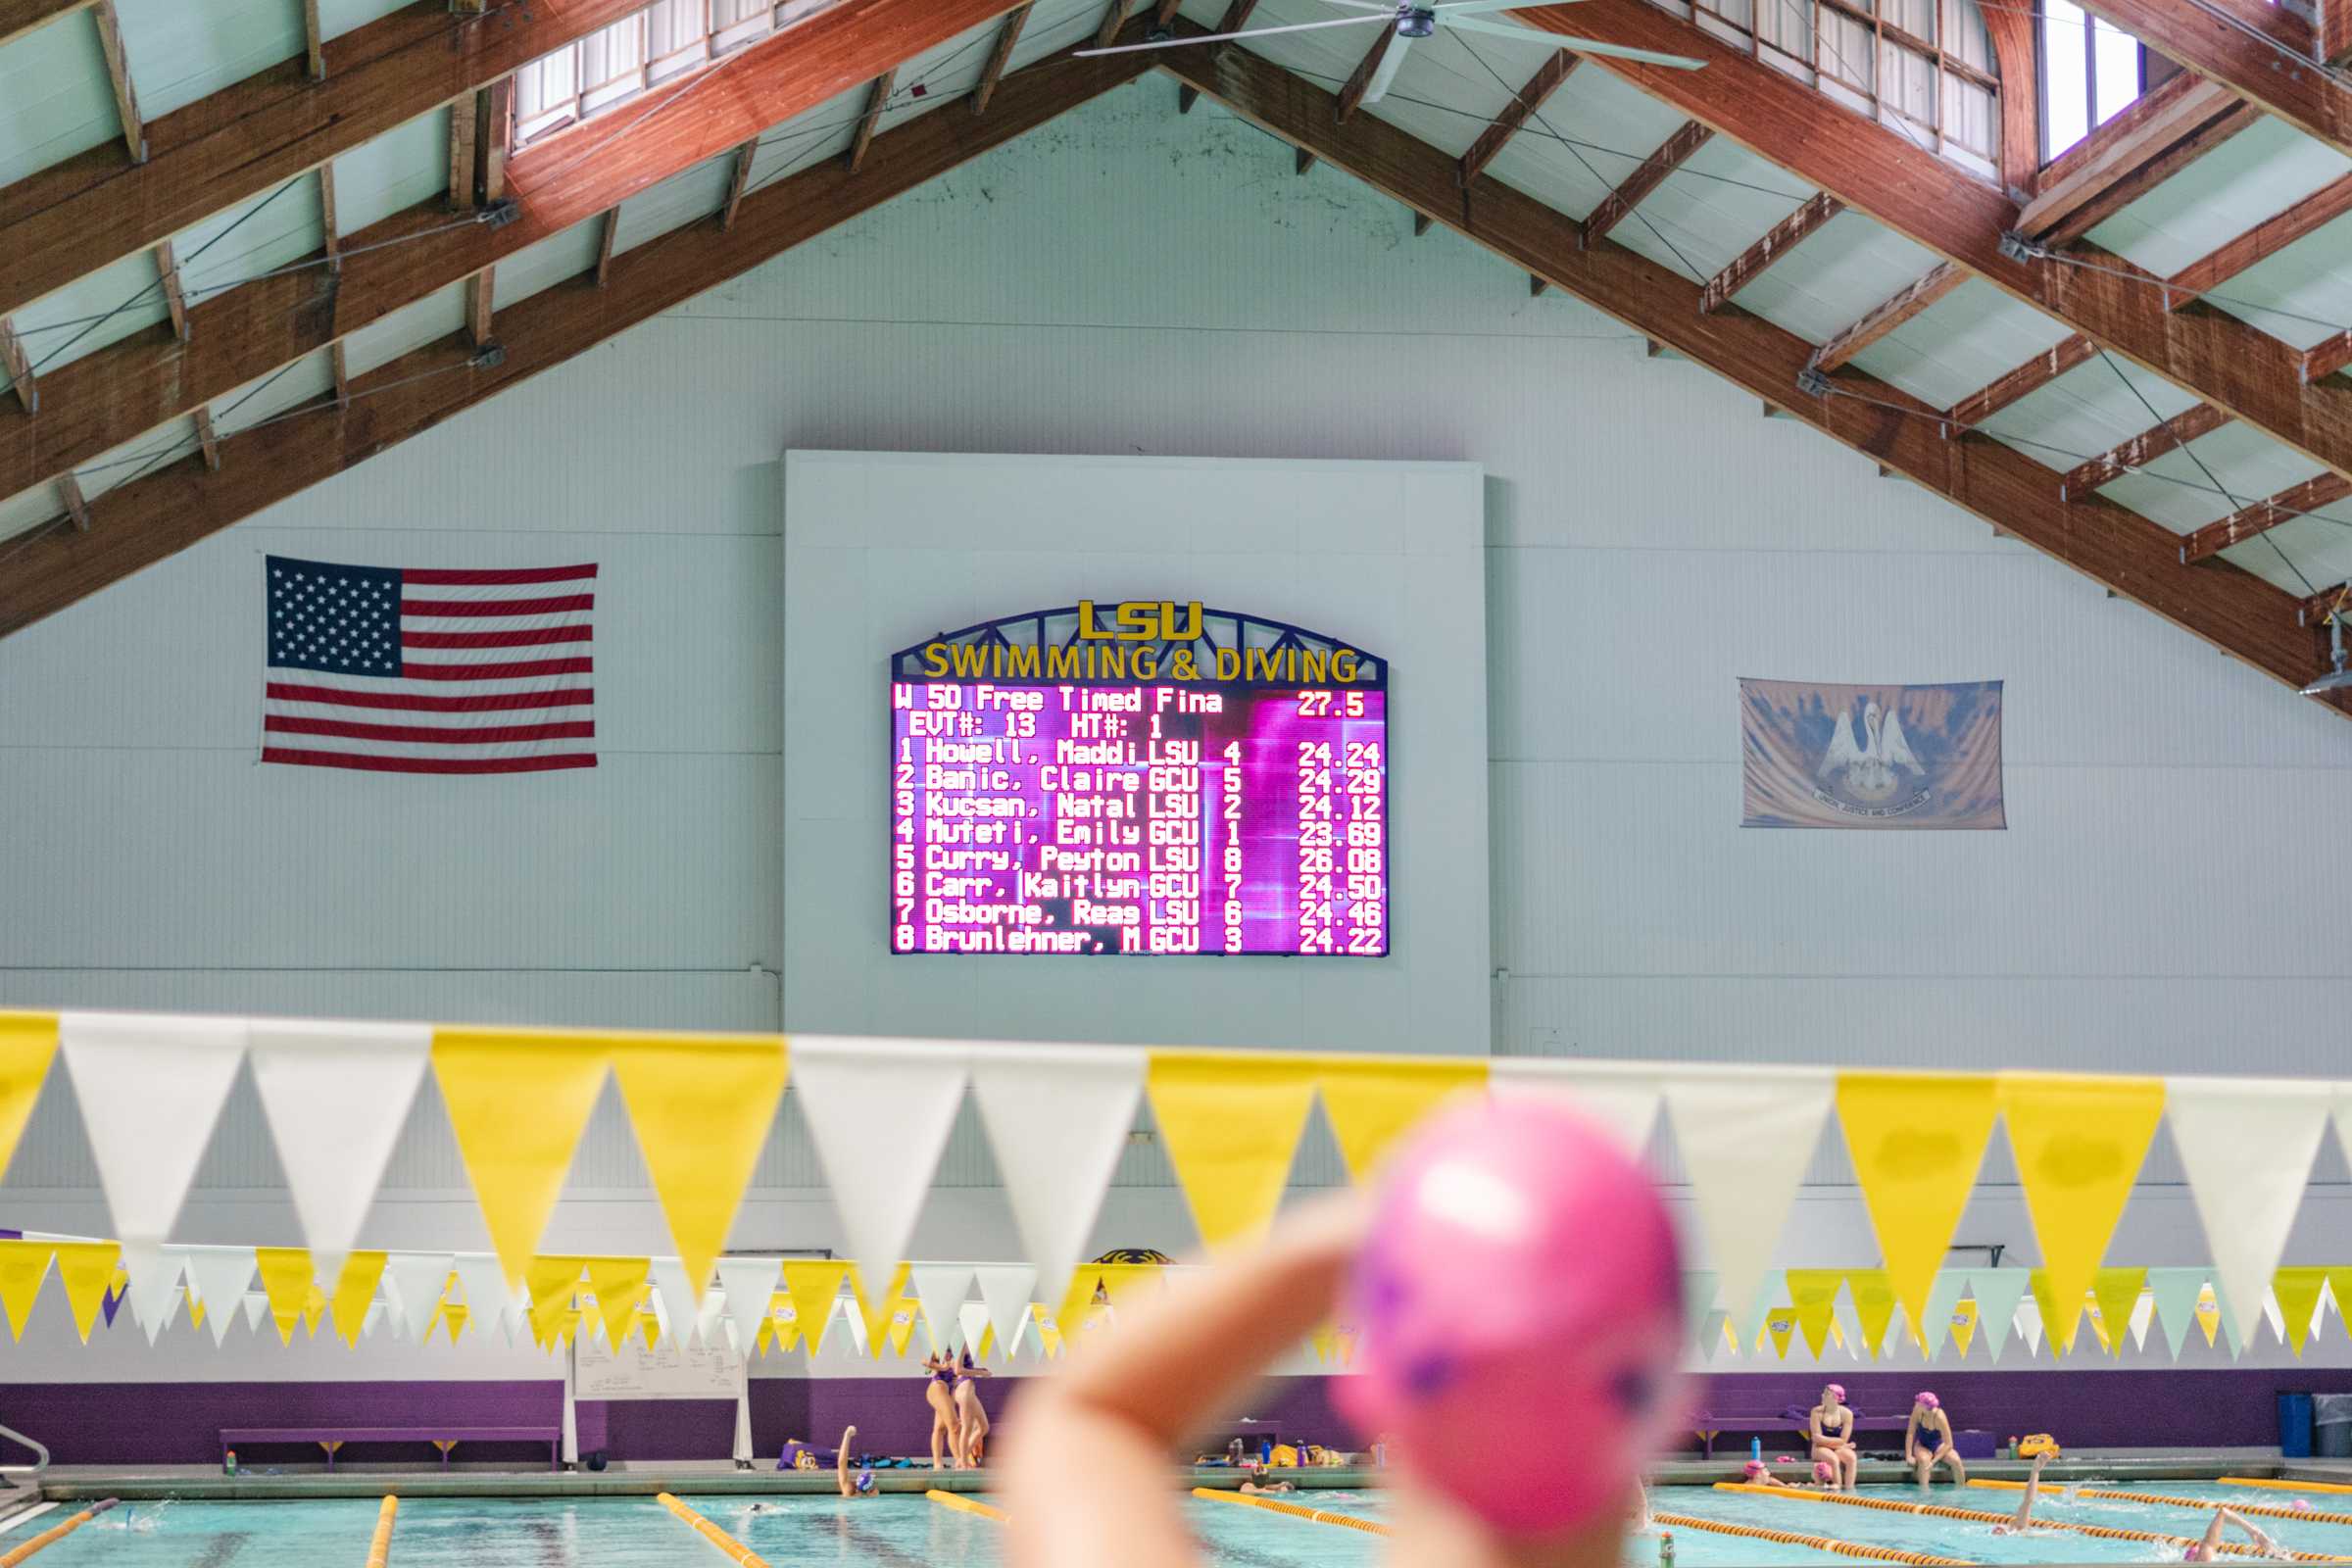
(1903, 757)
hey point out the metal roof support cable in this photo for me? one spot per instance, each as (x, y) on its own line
(2018, 247)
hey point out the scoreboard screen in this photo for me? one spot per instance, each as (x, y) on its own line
(1153, 816)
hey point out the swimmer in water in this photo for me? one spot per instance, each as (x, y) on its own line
(1129, 1400)
(2209, 1549)
(2021, 1523)
(1256, 1481)
(862, 1484)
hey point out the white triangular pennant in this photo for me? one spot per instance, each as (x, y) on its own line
(751, 1285)
(1623, 1097)
(879, 1113)
(971, 1322)
(709, 1316)
(1004, 1290)
(942, 1288)
(673, 1300)
(1849, 1324)
(151, 1086)
(1698, 1303)
(2246, 1144)
(417, 1281)
(1771, 1291)
(373, 1320)
(2143, 1312)
(1997, 1292)
(336, 1096)
(154, 1289)
(2176, 1291)
(1745, 1137)
(2029, 1325)
(848, 1319)
(1057, 1118)
(489, 1299)
(256, 1307)
(219, 1275)
(2272, 1315)
(1944, 1298)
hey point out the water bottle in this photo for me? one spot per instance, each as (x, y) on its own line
(228, 1463)
(1755, 1449)
(1665, 1549)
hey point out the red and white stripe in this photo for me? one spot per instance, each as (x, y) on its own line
(497, 677)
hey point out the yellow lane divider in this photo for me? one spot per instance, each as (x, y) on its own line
(2265, 1510)
(1978, 1516)
(2284, 1486)
(964, 1504)
(1272, 1506)
(54, 1533)
(742, 1556)
(1788, 1537)
(379, 1551)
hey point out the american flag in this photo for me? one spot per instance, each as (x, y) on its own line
(417, 671)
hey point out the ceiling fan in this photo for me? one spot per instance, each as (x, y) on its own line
(1413, 21)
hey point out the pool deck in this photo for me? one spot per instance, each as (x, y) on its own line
(70, 1482)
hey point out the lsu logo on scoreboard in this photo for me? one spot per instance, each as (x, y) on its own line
(1141, 621)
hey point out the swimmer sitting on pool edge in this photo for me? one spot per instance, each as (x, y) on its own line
(1928, 1441)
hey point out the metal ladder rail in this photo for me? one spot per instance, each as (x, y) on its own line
(23, 1472)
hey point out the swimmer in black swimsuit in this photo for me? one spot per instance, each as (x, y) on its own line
(939, 1394)
(1831, 1426)
(972, 1418)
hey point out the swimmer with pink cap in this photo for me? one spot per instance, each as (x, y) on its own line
(1829, 1428)
(1488, 1343)
(1928, 1441)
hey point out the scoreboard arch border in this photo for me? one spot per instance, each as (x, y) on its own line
(1285, 635)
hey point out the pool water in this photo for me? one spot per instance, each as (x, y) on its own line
(911, 1532)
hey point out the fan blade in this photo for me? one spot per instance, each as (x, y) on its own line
(1222, 37)
(1582, 46)
(1391, 63)
(1374, 4)
(1447, 10)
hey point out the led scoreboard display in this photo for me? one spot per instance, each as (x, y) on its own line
(1146, 778)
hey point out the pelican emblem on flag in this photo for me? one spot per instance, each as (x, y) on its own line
(1870, 757)
(1867, 776)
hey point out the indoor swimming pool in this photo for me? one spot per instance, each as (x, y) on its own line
(903, 1531)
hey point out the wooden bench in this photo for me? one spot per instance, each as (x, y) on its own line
(1709, 1426)
(442, 1437)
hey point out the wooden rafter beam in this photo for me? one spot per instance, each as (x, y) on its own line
(2333, 43)
(480, 290)
(2265, 239)
(175, 299)
(2263, 53)
(207, 439)
(2179, 123)
(1525, 105)
(2326, 359)
(610, 227)
(494, 138)
(464, 162)
(1112, 15)
(313, 42)
(2141, 449)
(1884, 318)
(340, 360)
(1781, 238)
(2324, 490)
(876, 100)
(78, 507)
(163, 513)
(1359, 80)
(1619, 204)
(18, 365)
(1164, 13)
(1883, 174)
(1236, 18)
(20, 16)
(329, 220)
(248, 138)
(99, 400)
(118, 72)
(740, 182)
(1000, 56)
(2315, 611)
(2136, 557)
(2029, 377)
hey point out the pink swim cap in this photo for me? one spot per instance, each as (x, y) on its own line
(1821, 1471)
(1755, 1467)
(1927, 1400)
(1838, 1389)
(1521, 1289)
(2300, 1505)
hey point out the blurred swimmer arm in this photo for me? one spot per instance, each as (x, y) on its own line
(841, 1462)
(1088, 1463)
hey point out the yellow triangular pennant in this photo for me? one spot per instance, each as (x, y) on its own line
(313, 1307)
(1779, 1326)
(1917, 1141)
(1096, 1288)
(2116, 1293)
(811, 1285)
(86, 1269)
(2298, 1293)
(619, 1287)
(24, 1265)
(552, 1282)
(1813, 1296)
(2209, 1314)
(453, 1317)
(2046, 1297)
(1964, 1326)
(355, 1288)
(1048, 1329)
(1230, 1121)
(2340, 1285)
(875, 1308)
(902, 1324)
(27, 1043)
(519, 1102)
(285, 1273)
(2080, 1143)
(702, 1106)
(195, 1313)
(1873, 1291)
(1372, 1100)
